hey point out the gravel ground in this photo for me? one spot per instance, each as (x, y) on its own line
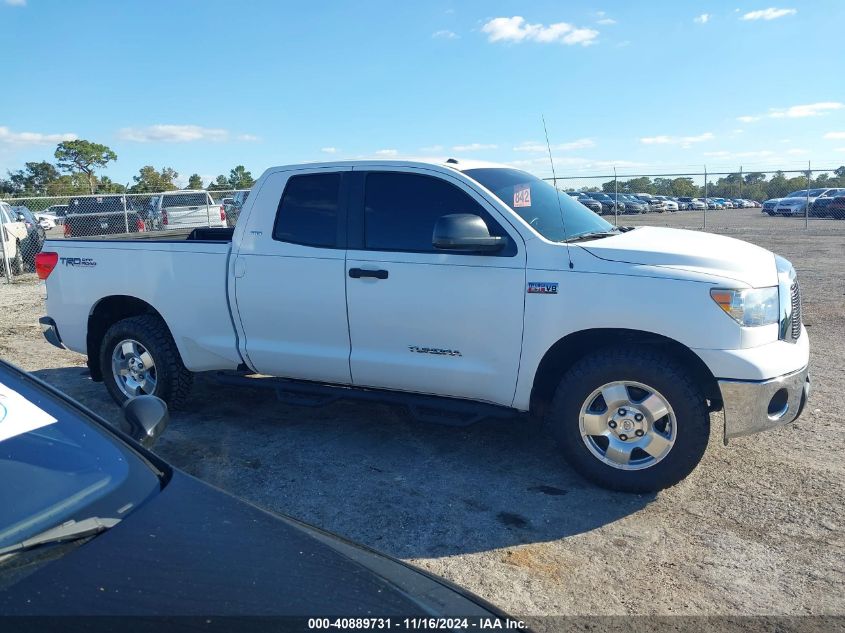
(756, 529)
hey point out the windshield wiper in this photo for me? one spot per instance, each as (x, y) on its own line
(591, 235)
(67, 531)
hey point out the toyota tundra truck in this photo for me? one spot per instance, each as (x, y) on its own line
(467, 285)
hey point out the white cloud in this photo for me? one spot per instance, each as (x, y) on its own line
(533, 146)
(606, 21)
(165, 133)
(387, 152)
(8, 137)
(811, 109)
(683, 141)
(516, 29)
(329, 150)
(444, 34)
(768, 14)
(704, 18)
(835, 135)
(750, 154)
(796, 112)
(473, 147)
(16, 3)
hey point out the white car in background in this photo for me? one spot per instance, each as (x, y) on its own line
(46, 221)
(188, 209)
(668, 203)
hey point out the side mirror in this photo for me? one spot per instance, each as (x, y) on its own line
(145, 418)
(465, 232)
(21, 217)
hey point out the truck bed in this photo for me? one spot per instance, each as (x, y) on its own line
(182, 276)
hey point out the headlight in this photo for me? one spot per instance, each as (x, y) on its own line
(750, 308)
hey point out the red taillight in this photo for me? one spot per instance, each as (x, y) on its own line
(67, 229)
(222, 214)
(140, 226)
(164, 217)
(45, 263)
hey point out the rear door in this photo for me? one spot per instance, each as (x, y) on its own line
(289, 275)
(428, 321)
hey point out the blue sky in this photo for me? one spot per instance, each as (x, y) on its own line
(202, 85)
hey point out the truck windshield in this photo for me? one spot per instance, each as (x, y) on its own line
(56, 464)
(550, 212)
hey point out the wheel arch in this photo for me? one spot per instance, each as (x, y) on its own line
(572, 347)
(105, 313)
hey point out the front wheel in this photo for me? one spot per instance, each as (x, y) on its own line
(630, 419)
(139, 357)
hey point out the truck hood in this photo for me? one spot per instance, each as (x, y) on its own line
(693, 251)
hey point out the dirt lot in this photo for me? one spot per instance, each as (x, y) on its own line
(759, 528)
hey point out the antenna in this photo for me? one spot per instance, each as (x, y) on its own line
(557, 191)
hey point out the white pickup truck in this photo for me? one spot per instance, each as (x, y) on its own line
(476, 284)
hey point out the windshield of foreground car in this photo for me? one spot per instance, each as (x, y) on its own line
(58, 465)
(539, 203)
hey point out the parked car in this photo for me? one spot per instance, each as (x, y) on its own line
(693, 204)
(181, 210)
(633, 204)
(55, 212)
(723, 203)
(796, 203)
(347, 295)
(102, 215)
(819, 208)
(668, 203)
(35, 235)
(13, 233)
(770, 205)
(47, 222)
(94, 524)
(608, 205)
(587, 201)
(836, 208)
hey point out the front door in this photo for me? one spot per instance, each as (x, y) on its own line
(424, 320)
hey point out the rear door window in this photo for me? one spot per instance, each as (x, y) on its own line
(308, 211)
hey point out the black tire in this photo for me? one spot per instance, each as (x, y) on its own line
(652, 368)
(173, 380)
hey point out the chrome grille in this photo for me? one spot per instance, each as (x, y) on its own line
(795, 296)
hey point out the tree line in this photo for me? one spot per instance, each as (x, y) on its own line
(753, 185)
(76, 172)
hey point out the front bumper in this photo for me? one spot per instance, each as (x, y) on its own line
(755, 406)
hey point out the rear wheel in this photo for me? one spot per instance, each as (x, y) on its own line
(139, 357)
(630, 419)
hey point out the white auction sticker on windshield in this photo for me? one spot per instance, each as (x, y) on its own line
(18, 415)
(521, 196)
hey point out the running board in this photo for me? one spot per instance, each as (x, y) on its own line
(424, 408)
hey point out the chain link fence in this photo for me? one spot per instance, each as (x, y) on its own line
(27, 222)
(785, 200)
